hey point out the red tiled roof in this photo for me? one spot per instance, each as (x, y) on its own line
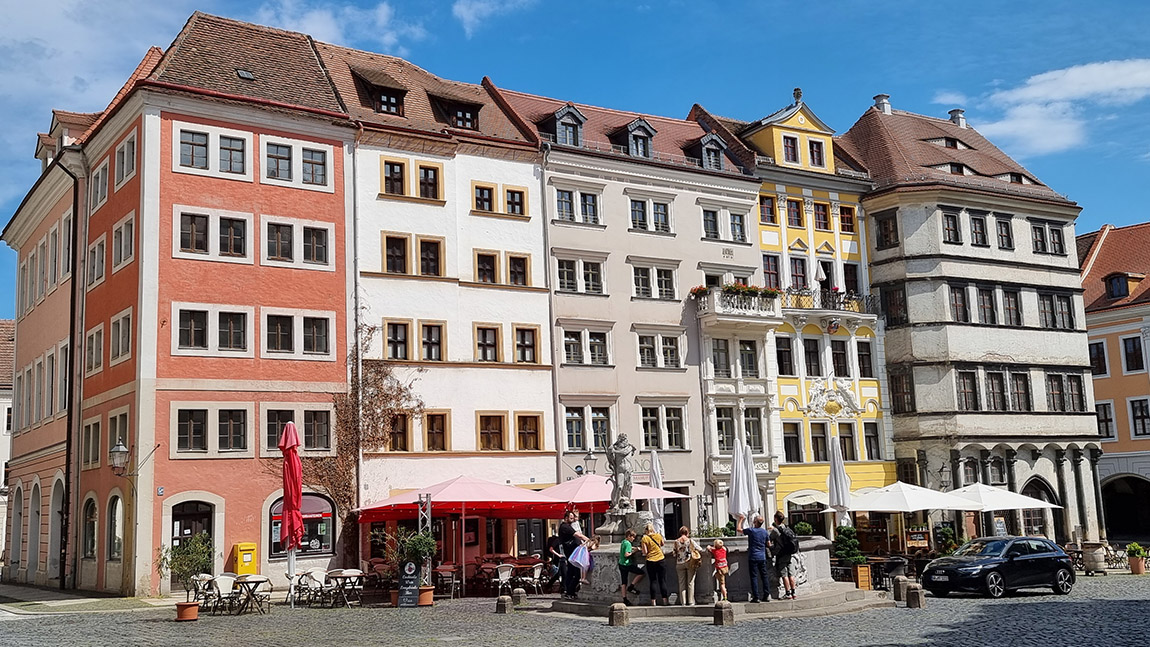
(1116, 250)
(354, 72)
(895, 150)
(77, 120)
(7, 351)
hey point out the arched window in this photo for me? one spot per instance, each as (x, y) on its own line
(89, 544)
(969, 472)
(997, 473)
(115, 529)
(318, 526)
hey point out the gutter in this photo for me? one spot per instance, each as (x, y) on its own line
(239, 97)
(560, 450)
(77, 284)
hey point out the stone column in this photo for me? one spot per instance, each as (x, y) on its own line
(1095, 456)
(1060, 471)
(984, 475)
(1012, 485)
(1088, 531)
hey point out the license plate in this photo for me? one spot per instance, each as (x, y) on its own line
(940, 578)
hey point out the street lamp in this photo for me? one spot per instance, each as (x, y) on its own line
(118, 456)
(944, 478)
(589, 460)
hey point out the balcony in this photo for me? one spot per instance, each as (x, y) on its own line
(765, 466)
(830, 300)
(718, 307)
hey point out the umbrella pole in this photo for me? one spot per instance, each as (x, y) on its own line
(462, 554)
(291, 575)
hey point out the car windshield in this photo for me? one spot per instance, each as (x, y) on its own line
(982, 547)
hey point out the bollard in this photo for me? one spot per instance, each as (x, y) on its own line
(519, 597)
(900, 583)
(503, 604)
(724, 614)
(915, 597)
(619, 617)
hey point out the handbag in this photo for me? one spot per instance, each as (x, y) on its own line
(696, 556)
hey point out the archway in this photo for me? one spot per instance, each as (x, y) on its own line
(16, 546)
(1127, 503)
(188, 519)
(1043, 522)
(34, 505)
(55, 516)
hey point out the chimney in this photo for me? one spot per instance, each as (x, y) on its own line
(957, 117)
(882, 102)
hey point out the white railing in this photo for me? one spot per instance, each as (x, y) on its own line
(716, 302)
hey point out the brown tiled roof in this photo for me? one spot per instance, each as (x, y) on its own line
(76, 120)
(1084, 244)
(1114, 250)
(7, 351)
(895, 150)
(354, 71)
(209, 50)
(145, 67)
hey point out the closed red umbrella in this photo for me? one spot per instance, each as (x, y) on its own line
(291, 519)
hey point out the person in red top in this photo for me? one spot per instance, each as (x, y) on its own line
(722, 568)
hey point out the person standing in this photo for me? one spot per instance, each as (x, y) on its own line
(652, 545)
(757, 540)
(569, 539)
(722, 568)
(787, 545)
(627, 566)
(688, 555)
(555, 560)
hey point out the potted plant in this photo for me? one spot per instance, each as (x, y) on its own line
(184, 561)
(420, 547)
(699, 291)
(770, 293)
(1137, 555)
(803, 528)
(846, 549)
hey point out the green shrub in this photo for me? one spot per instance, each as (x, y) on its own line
(1134, 549)
(846, 546)
(803, 528)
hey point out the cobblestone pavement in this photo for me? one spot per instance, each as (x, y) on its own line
(1103, 610)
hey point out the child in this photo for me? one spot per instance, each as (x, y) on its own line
(719, 553)
(627, 566)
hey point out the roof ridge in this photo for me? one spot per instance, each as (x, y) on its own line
(634, 113)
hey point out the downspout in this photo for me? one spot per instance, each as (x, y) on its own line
(560, 436)
(358, 368)
(77, 282)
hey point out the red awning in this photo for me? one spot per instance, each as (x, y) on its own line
(472, 496)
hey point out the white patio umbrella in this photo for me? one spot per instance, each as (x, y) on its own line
(752, 482)
(903, 497)
(656, 505)
(990, 499)
(743, 491)
(839, 486)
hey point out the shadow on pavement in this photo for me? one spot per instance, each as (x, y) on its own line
(1055, 623)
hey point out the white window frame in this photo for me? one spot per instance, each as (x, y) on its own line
(213, 330)
(298, 409)
(1122, 351)
(1113, 421)
(297, 334)
(90, 337)
(826, 149)
(66, 251)
(782, 158)
(54, 255)
(100, 246)
(214, 216)
(28, 401)
(1105, 356)
(581, 257)
(115, 414)
(652, 264)
(651, 197)
(86, 439)
(125, 224)
(297, 146)
(584, 327)
(723, 212)
(1130, 416)
(297, 226)
(50, 383)
(577, 402)
(660, 332)
(97, 180)
(63, 374)
(214, 134)
(38, 391)
(117, 324)
(662, 403)
(121, 158)
(211, 431)
(578, 190)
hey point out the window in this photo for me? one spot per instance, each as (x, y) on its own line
(661, 219)
(99, 187)
(53, 252)
(986, 310)
(638, 214)
(568, 275)
(978, 231)
(1012, 308)
(816, 150)
(642, 276)
(397, 341)
(49, 390)
(96, 262)
(193, 149)
(94, 359)
(748, 358)
(738, 228)
(527, 433)
(847, 219)
(429, 182)
(847, 441)
(1064, 392)
(115, 543)
(516, 270)
(125, 160)
(670, 348)
(887, 227)
(967, 391)
(525, 345)
(279, 242)
(514, 204)
(1020, 392)
(958, 308)
(432, 342)
(275, 419)
(395, 249)
(640, 145)
(191, 434)
(565, 205)
(839, 358)
(725, 428)
(902, 391)
(1132, 357)
(950, 231)
(665, 279)
(1005, 233)
(232, 157)
(957, 169)
(91, 444)
(315, 245)
(491, 433)
(794, 213)
(484, 198)
(589, 207)
(315, 337)
(486, 344)
(767, 215)
(791, 149)
(318, 526)
(647, 354)
(398, 436)
(652, 436)
(819, 442)
(233, 430)
(771, 271)
(1057, 246)
(1105, 412)
(721, 357)
(712, 159)
(866, 360)
(233, 236)
(1117, 287)
(1055, 311)
(278, 161)
(995, 391)
(785, 356)
(1097, 351)
(465, 117)
(573, 347)
(64, 372)
(822, 217)
(567, 133)
(710, 224)
(1038, 238)
(485, 268)
(393, 178)
(792, 443)
(389, 101)
(871, 441)
(435, 429)
(89, 548)
(280, 334)
(194, 233)
(575, 428)
(799, 273)
(316, 430)
(812, 354)
(851, 278)
(597, 348)
(314, 167)
(120, 340)
(1140, 416)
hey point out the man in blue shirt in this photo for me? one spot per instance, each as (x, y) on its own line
(757, 540)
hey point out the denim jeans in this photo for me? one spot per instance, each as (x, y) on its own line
(760, 581)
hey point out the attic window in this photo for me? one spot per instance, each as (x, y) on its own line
(957, 169)
(388, 101)
(1117, 286)
(640, 145)
(245, 75)
(567, 132)
(465, 117)
(712, 159)
(950, 142)
(1016, 178)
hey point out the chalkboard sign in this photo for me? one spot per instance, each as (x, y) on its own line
(1000, 527)
(409, 585)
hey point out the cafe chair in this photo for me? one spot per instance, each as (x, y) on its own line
(503, 574)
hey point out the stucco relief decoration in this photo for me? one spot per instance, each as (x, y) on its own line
(808, 206)
(831, 397)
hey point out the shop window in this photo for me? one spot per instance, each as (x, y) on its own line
(318, 526)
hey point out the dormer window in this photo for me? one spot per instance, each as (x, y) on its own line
(816, 153)
(640, 145)
(465, 117)
(957, 169)
(712, 159)
(567, 133)
(791, 149)
(389, 102)
(950, 142)
(568, 125)
(1016, 178)
(1117, 286)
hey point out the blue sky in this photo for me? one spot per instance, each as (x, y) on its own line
(1057, 84)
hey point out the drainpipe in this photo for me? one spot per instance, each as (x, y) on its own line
(358, 368)
(77, 284)
(560, 424)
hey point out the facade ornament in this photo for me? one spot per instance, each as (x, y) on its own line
(832, 398)
(619, 456)
(809, 206)
(835, 208)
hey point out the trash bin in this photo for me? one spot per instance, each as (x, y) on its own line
(244, 557)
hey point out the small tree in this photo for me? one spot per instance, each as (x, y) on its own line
(803, 528)
(192, 556)
(846, 546)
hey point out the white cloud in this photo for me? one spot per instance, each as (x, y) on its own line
(472, 13)
(372, 27)
(1119, 82)
(950, 98)
(1031, 129)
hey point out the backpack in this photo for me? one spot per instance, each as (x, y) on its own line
(788, 542)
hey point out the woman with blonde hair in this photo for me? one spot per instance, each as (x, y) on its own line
(652, 546)
(688, 555)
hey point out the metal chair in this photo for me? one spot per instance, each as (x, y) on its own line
(535, 579)
(223, 593)
(447, 581)
(503, 574)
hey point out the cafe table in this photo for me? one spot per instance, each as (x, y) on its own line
(249, 585)
(347, 581)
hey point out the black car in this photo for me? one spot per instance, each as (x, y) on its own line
(995, 565)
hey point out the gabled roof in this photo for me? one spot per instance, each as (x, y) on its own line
(1115, 250)
(782, 115)
(354, 71)
(899, 150)
(78, 121)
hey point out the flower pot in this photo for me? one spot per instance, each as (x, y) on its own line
(1137, 565)
(394, 597)
(426, 596)
(862, 576)
(186, 611)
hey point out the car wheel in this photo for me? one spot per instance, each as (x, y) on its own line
(939, 593)
(995, 585)
(1063, 582)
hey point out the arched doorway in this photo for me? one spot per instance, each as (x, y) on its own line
(55, 516)
(1043, 522)
(1127, 503)
(188, 519)
(34, 506)
(16, 545)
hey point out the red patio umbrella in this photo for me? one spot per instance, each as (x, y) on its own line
(592, 492)
(291, 520)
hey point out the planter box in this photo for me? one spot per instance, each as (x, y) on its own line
(862, 576)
